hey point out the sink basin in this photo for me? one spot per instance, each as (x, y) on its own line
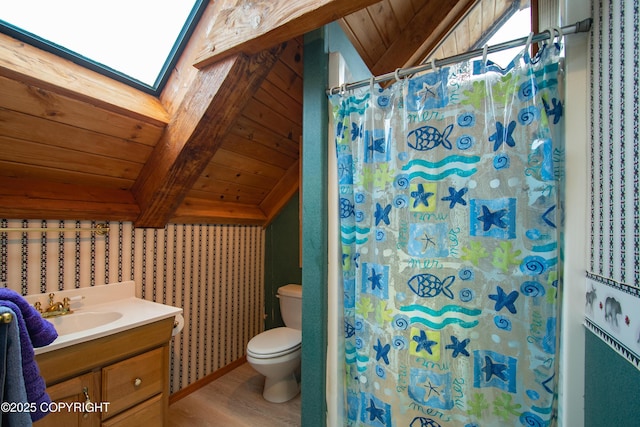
(77, 322)
(100, 311)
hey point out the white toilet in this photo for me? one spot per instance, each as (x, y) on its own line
(276, 353)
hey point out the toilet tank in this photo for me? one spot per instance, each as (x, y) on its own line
(291, 305)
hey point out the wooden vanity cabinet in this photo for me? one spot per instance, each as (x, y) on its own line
(128, 370)
(73, 390)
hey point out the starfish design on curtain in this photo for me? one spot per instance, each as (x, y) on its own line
(427, 91)
(492, 218)
(375, 279)
(355, 259)
(455, 196)
(428, 241)
(375, 413)
(424, 342)
(432, 389)
(340, 130)
(503, 135)
(356, 131)
(421, 196)
(504, 300)
(382, 351)
(458, 347)
(382, 214)
(377, 145)
(555, 111)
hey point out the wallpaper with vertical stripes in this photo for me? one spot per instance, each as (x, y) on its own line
(613, 279)
(214, 272)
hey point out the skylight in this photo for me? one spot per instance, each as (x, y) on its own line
(517, 26)
(135, 41)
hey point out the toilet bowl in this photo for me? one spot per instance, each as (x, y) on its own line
(276, 355)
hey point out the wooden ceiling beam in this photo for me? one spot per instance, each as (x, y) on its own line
(214, 100)
(249, 26)
(201, 211)
(37, 199)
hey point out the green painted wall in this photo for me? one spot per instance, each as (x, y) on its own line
(314, 230)
(282, 258)
(317, 45)
(612, 387)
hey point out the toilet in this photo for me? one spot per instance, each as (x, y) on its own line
(275, 353)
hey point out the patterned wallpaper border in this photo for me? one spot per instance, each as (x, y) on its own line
(613, 282)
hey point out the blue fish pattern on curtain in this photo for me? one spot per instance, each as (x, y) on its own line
(450, 186)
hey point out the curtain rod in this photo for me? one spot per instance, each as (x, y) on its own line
(579, 27)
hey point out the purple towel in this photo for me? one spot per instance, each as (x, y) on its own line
(40, 331)
(34, 331)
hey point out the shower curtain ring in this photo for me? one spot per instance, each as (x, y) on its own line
(528, 45)
(552, 34)
(397, 74)
(343, 89)
(560, 35)
(433, 64)
(485, 50)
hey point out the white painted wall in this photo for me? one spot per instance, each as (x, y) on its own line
(572, 335)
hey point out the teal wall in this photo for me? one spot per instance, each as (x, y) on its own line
(317, 45)
(282, 258)
(314, 229)
(612, 387)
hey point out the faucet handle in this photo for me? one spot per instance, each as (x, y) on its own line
(38, 306)
(51, 295)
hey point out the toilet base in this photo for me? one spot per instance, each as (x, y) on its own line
(280, 390)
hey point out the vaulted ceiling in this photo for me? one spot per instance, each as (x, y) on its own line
(221, 144)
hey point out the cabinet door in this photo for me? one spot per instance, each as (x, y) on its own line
(73, 390)
(147, 413)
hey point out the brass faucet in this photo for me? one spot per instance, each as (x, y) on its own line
(55, 309)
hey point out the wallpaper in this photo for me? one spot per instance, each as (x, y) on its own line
(214, 272)
(613, 279)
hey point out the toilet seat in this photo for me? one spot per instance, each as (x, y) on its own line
(274, 343)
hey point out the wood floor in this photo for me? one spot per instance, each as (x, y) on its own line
(233, 400)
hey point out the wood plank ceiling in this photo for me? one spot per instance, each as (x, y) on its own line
(221, 144)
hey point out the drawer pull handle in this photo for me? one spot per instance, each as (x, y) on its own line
(137, 382)
(85, 391)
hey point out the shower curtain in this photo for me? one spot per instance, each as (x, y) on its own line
(450, 187)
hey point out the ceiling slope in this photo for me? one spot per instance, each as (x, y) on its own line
(221, 144)
(215, 99)
(395, 34)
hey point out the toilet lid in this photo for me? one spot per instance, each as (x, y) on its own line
(274, 342)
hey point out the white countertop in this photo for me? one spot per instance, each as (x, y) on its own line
(113, 301)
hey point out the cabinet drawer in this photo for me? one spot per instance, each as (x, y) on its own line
(131, 381)
(148, 413)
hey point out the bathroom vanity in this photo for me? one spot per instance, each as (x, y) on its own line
(121, 367)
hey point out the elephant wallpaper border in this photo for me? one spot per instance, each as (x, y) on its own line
(611, 313)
